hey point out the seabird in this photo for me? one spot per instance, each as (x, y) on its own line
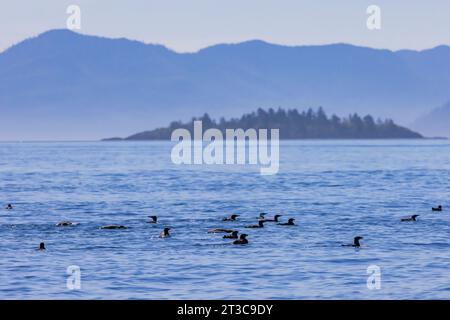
(231, 218)
(233, 235)
(241, 240)
(219, 230)
(64, 224)
(289, 223)
(164, 233)
(412, 218)
(275, 218)
(154, 219)
(261, 216)
(113, 227)
(355, 243)
(259, 225)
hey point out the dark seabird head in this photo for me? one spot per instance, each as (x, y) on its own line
(262, 214)
(9, 206)
(42, 246)
(414, 217)
(243, 236)
(234, 216)
(356, 241)
(291, 220)
(166, 230)
(261, 223)
(154, 218)
(275, 217)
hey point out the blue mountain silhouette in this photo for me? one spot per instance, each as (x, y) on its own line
(64, 85)
(435, 123)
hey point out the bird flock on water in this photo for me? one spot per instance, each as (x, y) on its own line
(235, 235)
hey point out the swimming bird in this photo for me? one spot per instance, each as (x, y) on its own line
(261, 216)
(355, 242)
(439, 208)
(219, 230)
(9, 206)
(231, 218)
(289, 223)
(41, 246)
(412, 218)
(113, 227)
(242, 239)
(259, 225)
(154, 219)
(233, 235)
(64, 224)
(275, 218)
(164, 233)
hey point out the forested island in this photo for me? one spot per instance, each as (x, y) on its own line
(310, 124)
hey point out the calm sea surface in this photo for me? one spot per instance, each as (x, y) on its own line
(334, 189)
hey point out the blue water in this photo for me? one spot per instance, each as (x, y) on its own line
(335, 190)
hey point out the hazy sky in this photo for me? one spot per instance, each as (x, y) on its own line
(187, 25)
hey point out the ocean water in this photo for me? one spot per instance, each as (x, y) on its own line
(334, 189)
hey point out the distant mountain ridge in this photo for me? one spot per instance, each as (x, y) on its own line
(64, 85)
(292, 124)
(435, 123)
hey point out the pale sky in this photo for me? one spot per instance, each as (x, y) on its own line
(189, 25)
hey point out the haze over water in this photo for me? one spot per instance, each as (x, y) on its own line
(334, 189)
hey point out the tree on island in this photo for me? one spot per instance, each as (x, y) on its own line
(308, 124)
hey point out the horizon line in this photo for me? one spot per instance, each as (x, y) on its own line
(167, 140)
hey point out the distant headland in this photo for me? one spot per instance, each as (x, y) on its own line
(310, 124)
